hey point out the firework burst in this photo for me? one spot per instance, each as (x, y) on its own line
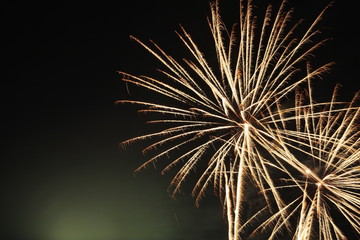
(228, 114)
(322, 168)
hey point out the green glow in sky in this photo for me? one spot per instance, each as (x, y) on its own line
(98, 208)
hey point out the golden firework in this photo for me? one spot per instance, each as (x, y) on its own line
(231, 115)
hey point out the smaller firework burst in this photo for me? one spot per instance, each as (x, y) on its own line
(322, 189)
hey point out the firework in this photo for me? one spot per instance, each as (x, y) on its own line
(228, 115)
(323, 169)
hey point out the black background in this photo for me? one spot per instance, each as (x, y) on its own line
(63, 173)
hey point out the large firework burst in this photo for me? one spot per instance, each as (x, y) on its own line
(229, 114)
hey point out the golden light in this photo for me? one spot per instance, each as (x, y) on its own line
(246, 127)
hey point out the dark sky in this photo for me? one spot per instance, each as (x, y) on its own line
(63, 174)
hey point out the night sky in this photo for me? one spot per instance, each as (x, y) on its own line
(64, 176)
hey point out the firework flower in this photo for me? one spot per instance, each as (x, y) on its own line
(226, 114)
(321, 187)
